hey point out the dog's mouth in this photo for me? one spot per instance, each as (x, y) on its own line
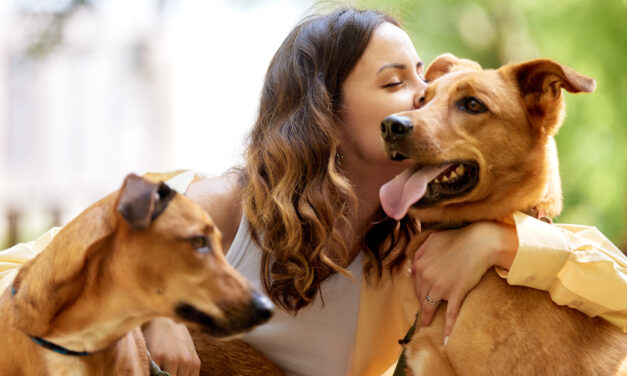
(423, 186)
(237, 318)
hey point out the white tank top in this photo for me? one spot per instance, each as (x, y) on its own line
(320, 339)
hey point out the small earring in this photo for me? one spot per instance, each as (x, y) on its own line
(338, 158)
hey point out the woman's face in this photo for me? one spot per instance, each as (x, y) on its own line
(387, 79)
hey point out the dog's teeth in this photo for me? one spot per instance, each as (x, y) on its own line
(445, 178)
(460, 170)
(453, 175)
(437, 180)
(394, 154)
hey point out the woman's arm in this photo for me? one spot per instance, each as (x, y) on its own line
(577, 265)
(450, 263)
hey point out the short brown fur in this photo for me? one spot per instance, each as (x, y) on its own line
(502, 329)
(125, 260)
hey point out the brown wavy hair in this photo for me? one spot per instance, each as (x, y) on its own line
(294, 194)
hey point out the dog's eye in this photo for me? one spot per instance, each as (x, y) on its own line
(471, 105)
(200, 243)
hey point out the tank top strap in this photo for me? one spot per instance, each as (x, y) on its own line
(240, 243)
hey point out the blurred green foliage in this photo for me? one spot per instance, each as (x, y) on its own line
(589, 36)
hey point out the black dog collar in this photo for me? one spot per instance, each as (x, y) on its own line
(49, 345)
(56, 348)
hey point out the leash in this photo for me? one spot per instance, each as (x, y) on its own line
(401, 365)
(155, 370)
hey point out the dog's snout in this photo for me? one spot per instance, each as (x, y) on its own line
(262, 306)
(395, 126)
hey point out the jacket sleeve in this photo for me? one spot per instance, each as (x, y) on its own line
(13, 258)
(577, 265)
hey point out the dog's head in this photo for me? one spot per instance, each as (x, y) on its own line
(482, 142)
(156, 250)
(182, 269)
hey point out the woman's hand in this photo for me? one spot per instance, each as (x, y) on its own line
(450, 263)
(171, 347)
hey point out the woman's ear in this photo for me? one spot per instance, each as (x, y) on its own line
(447, 63)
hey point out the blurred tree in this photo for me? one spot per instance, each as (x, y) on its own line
(587, 35)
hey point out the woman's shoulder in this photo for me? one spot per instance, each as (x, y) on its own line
(220, 197)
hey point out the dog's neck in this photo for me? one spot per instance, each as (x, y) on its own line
(80, 329)
(100, 316)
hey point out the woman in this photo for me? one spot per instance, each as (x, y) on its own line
(304, 210)
(303, 214)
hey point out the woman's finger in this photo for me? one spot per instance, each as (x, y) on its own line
(430, 304)
(190, 363)
(422, 249)
(167, 363)
(452, 311)
(171, 347)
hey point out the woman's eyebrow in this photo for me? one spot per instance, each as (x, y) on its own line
(398, 66)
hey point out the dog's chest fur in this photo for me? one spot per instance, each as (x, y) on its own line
(63, 365)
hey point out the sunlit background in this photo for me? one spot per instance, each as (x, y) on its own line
(93, 90)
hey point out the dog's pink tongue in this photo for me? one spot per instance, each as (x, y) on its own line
(409, 186)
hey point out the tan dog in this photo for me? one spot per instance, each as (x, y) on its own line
(142, 252)
(484, 149)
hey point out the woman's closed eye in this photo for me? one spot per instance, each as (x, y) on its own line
(392, 84)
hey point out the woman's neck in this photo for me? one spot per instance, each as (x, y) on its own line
(366, 184)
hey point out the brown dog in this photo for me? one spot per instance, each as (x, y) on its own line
(137, 254)
(484, 149)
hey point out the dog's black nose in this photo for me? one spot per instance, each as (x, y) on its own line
(262, 306)
(395, 126)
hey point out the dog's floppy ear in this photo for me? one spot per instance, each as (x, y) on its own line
(142, 201)
(447, 63)
(540, 82)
